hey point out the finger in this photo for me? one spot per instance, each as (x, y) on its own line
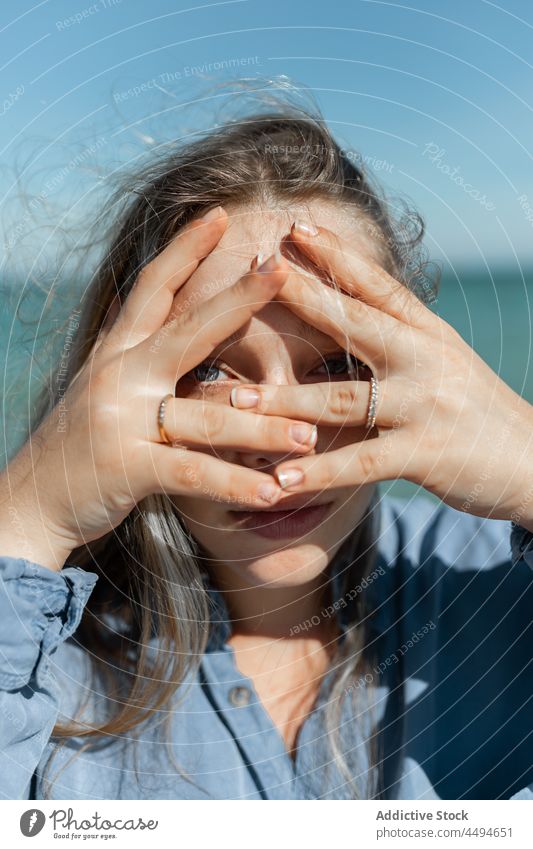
(190, 337)
(357, 327)
(360, 276)
(150, 301)
(372, 460)
(341, 403)
(196, 423)
(184, 472)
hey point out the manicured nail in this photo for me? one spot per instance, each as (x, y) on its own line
(212, 214)
(289, 477)
(267, 491)
(241, 397)
(257, 260)
(303, 433)
(305, 229)
(271, 263)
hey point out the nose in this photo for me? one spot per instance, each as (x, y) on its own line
(266, 461)
(279, 375)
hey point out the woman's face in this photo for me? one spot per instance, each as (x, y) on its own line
(274, 347)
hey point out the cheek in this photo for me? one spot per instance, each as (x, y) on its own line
(188, 387)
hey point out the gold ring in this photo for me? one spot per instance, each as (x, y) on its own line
(161, 418)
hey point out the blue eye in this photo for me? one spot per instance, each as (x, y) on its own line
(210, 372)
(204, 373)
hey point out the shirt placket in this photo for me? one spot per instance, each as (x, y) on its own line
(256, 737)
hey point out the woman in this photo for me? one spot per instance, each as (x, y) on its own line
(203, 594)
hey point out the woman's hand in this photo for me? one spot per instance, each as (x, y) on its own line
(71, 484)
(444, 419)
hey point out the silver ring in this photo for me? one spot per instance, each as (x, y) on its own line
(373, 402)
(161, 417)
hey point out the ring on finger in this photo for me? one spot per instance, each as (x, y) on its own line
(161, 418)
(372, 403)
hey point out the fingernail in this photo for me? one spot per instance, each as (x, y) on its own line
(267, 491)
(305, 229)
(303, 433)
(212, 214)
(289, 477)
(271, 263)
(257, 260)
(241, 397)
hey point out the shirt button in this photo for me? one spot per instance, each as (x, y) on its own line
(239, 696)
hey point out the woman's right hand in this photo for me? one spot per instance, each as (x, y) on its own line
(74, 482)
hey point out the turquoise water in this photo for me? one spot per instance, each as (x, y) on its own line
(491, 309)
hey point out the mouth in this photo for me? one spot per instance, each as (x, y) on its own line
(281, 524)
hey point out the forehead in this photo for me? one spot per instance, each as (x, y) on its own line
(259, 229)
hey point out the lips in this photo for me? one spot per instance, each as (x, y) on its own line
(281, 524)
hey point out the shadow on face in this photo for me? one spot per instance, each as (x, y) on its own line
(274, 347)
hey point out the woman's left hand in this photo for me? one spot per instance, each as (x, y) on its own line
(444, 419)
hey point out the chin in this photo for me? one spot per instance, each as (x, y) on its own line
(260, 561)
(290, 567)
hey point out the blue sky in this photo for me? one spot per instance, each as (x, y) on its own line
(437, 97)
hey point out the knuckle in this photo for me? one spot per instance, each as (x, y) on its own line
(343, 399)
(234, 491)
(324, 473)
(191, 321)
(443, 399)
(186, 472)
(367, 464)
(213, 420)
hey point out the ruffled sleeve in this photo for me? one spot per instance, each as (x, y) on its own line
(39, 609)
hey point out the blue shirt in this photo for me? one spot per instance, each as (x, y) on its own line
(452, 596)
